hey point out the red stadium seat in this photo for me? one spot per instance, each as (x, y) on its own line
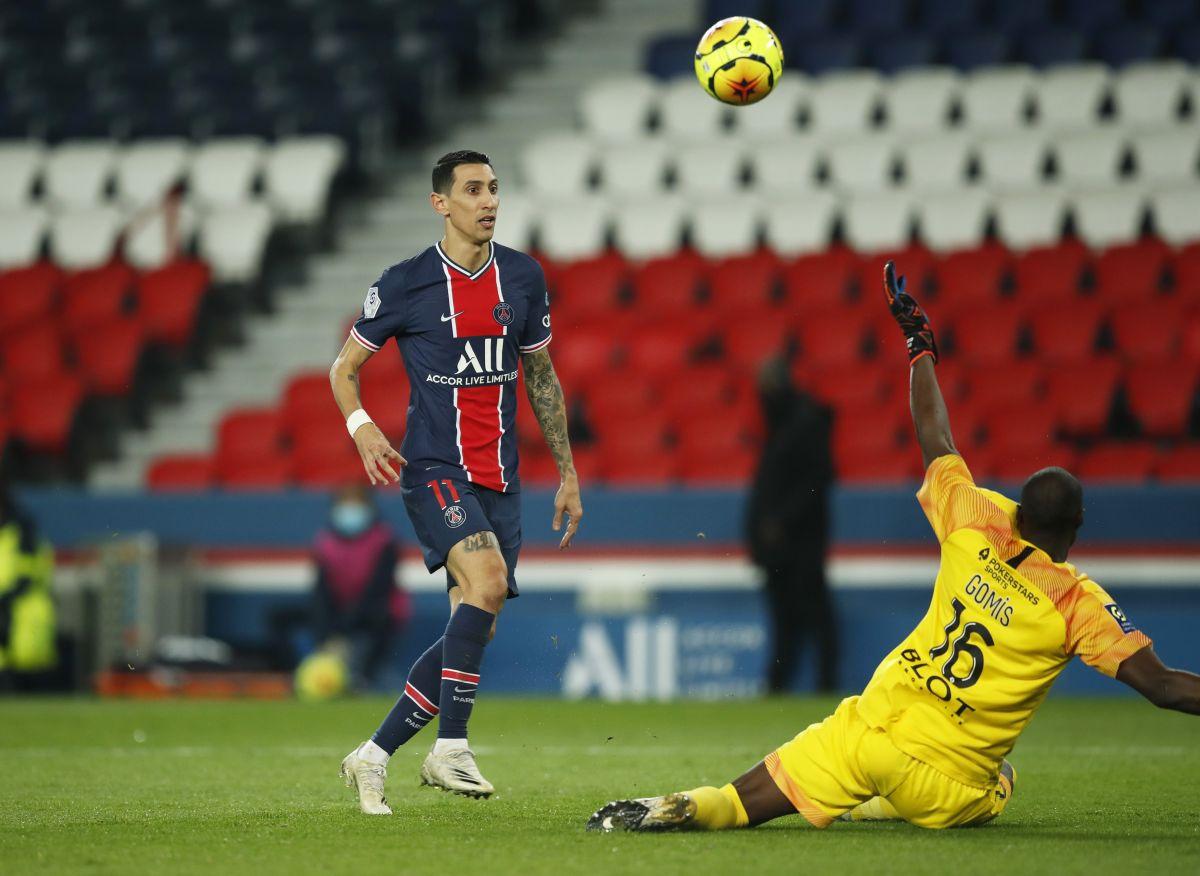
(1185, 268)
(43, 411)
(708, 389)
(915, 263)
(27, 294)
(1017, 383)
(1067, 332)
(588, 288)
(582, 355)
(655, 470)
(169, 300)
(987, 337)
(821, 279)
(1148, 330)
(750, 342)
(649, 434)
(1015, 466)
(108, 355)
(971, 277)
(1161, 396)
(1190, 340)
(1021, 429)
(538, 468)
(850, 386)
(895, 466)
(182, 472)
(1050, 273)
(306, 396)
(831, 336)
(667, 286)
(328, 470)
(1082, 395)
(1181, 464)
(746, 282)
(661, 350)
(710, 435)
(1118, 462)
(730, 470)
(249, 434)
(268, 473)
(32, 353)
(95, 295)
(322, 436)
(622, 399)
(859, 432)
(385, 394)
(1131, 271)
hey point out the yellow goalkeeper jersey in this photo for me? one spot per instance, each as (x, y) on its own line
(1003, 622)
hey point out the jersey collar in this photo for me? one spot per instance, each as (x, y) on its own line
(453, 264)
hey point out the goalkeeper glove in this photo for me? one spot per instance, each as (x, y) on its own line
(909, 316)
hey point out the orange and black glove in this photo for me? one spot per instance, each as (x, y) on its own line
(909, 316)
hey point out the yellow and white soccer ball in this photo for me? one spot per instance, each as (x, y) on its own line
(322, 675)
(739, 60)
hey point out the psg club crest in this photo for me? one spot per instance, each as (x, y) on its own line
(503, 313)
(455, 516)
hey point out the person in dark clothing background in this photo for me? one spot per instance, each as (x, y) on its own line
(787, 527)
(355, 598)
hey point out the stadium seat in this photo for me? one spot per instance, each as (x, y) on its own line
(1148, 330)
(233, 240)
(1089, 14)
(943, 16)
(649, 471)
(914, 262)
(661, 350)
(515, 219)
(1131, 272)
(1118, 462)
(997, 98)
(687, 113)
(35, 352)
(328, 471)
(1105, 217)
(1090, 158)
(649, 228)
(94, 295)
(1029, 219)
(986, 336)
(821, 278)
(1070, 96)
(1181, 464)
(952, 220)
(27, 295)
(250, 435)
(1185, 270)
(726, 226)
(1161, 395)
(558, 164)
(1020, 382)
(159, 238)
(147, 170)
(224, 170)
(266, 473)
(1019, 14)
(919, 101)
(799, 224)
(589, 288)
(877, 222)
(1045, 47)
(1014, 466)
(108, 355)
(77, 173)
(1066, 331)
(635, 168)
(862, 163)
(618, 108)
(1176, 218)
(85, 237)
(973, 276)
(897, 466)
(20, 166)
(181, 472)
(1050, 273)
(864, 432)
(779, 116)
(1013, 160)
(1127, 45)
(844, 102)
(975, 50)
(1021, 428)
(711, 436)
(748, 348)
(830, 338)
(936, 161)
(575, 229)
(385, 392)
(1150, 94)
(22, 232)
(824, 54)
(43, 411)
(305, 397)
(709, 389)
(1167, 156)
(742, 283)
(734, 469)
(709, 169)
(1082, 394)
(667, 286)
(299, 175)
(898, 51)
(788, 165)
(583, 355)
(844, 386)
(169, 300)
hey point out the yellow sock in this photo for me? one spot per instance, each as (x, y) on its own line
(875, 809)
(718, 808)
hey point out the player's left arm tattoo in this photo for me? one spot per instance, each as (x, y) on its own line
(546, 397)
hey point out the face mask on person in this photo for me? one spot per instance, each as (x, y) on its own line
(350, 518)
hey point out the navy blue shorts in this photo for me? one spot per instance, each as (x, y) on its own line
(444, 512)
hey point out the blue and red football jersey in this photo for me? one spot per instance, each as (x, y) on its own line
(461, 335)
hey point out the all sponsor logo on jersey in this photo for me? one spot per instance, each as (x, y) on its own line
(481, 363)
(503, 313)
(455, 516)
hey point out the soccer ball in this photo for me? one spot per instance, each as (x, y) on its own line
(739, 60)
(321, 676)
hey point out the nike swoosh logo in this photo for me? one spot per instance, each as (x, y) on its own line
(452, 316)
(464, 690)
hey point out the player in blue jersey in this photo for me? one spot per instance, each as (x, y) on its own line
(465, 314)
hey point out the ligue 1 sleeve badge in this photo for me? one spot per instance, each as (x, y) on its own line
(455, 516)
(503, 313)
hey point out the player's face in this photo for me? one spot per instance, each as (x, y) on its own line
(472, 203)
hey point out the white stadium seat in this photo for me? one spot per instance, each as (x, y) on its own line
(22, 231)
(919, 100)
(233, 239)
(619, 109)
(1167, 155)
(878, 222)
(84, 238)
(711, 168)
(558, 164)
(147, 169)
(634, 168)
(147, 245)
(1029, 219)
(687, 112)
(1175, 215)
(1070, 96)
(725, 227)
(20, 164)
(1013, 160)
(1150, 93)
(1090, 158)
(800, 224)
(862, 164)
(790, 164)
(844, 103)
(77, 172)
(936, 162)
(515, 219)
(224, 170)
(953, 219)
(650, 227)
(779, 116)
(995, 98)
(299, 175)
(1105, 217)
(575, 229)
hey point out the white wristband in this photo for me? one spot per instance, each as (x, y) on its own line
(357, 419)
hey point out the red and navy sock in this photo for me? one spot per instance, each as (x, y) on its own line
(462, 653)
(418, 704)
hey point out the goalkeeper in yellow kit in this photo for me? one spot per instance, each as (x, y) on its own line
(926, 740)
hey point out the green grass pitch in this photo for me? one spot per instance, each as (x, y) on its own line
(208, 787)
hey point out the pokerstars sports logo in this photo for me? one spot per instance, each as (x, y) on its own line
(503, 313)
(455, 516)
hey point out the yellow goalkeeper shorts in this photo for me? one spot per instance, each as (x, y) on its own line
(841, 762)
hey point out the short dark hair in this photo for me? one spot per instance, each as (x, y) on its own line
(1052, 501)
(443, 171)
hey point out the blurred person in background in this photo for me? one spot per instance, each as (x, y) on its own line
(27, 618)
(787, 527)
(356, 605)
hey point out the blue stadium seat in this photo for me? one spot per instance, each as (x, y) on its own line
(889, 53)
(1186, 46)
(715, 10)
(1050, 46)
(878, 15)
(981, 48)
(1170, 13)
(1090, 14)
(671, 55)
(822, 54)
(940, 16)
(811, 16)
(1012, 15)
(1118, 47)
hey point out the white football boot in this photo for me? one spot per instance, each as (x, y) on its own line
(367, 778)
(670, 812)
(455, 770)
